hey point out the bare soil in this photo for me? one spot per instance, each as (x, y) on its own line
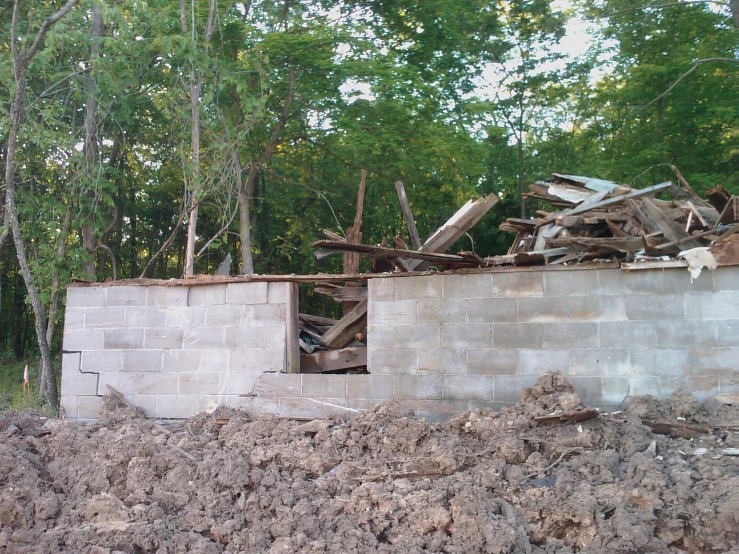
(486, 481)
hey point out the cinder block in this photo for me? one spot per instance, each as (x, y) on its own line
(679, 281)
(369, 387)
(207, 295)
(74, 318)
(68, 407)
(199, 383)
(226, 315)
(467, 387)
(176, 406)
(466, 335)
(263, 315)
(123, 339)
(615, 390)
(571, 335)
(714, 358)
(381, 290)
(536, 362)
(278, 293)
(257, 359)
(546, 309)
(712, 305)
(467, 286)
(203, 338)
(439, 411)
(102, 361)
(507, 388)
(644, 384)
(324, 386)
(181, 360)
(143, 402)
(442, 311)
(417, 387)
(105, 318)
(244, 337)
(727, 332)
(618, 282)
(215, 361)
(442, 360)
(163, 339)
(71, 363)
(418, 288)
(380, 336)
(401, 312)
(416, 336)
(158, 383)
(142, 360)
(599, 361)
(518, 283)
(597, 308)
(724, 278)
(79, 340)
(660, 362)
(166, 296)
(125, 383)
(392, 361)
(300, 408)
(274, 337)
(242, 382)
(702, 385)
(633, 335)
(492, 361)
(139, 317)
(683, 334)
(590, 389)
(491, 310)
(126, 296)
(247, 293)
(85, 297)
(336, 407)
(185, 317)
(571, 282)
(656, 307)
(278, 385)
(89, 407)
(518, 335)
(76, 385)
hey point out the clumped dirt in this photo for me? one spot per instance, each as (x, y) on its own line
(493, 482)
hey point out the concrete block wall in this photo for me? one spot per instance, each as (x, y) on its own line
(478, 338)
(174, 350)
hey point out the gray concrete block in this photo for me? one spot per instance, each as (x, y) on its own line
(442, 360)
(416, 336)
(369, 387)
(574, 282)
(467, 286)
(257, 359)
(382, 290)
(89, 407)
(401, 312)
(727, 332)
(418, 288)
(590, 389)
(380, 336)
(168, 297)
(615, 390)
(82, 384)
(518, 283)
(712, 305)
(105, 318)
(74, 318)
(439, 411)
(68, 407)
(442, 311)
(204, 338)
(324, 386)
(123, 339)
(263, 315)
(678, 281)
(467, 387)
(141, 360)
(392, 361)
(633, 335)
(181, 360)
(680, 334)
(543, 309)
(656, 307)
(536, 362)
(102, 361)
(275, 337)
(185, 317)
(518, 335)
(199, 383)
(618, 282)
(279, 385)
(490, 310)
(597, 308)
(215, 360)
(145, 317)
(244, 337)
(702, 385)
(300, 407)
(599, 361)
(507, 388)
(336, 407)
(71, 363)
(207, 295)
(714, 358)
(143, 402)
(248, 293)
(242, 382)
(726, 278)
(226, 315)
(466, 335)
(492, 361)
(417, 387)
(640, 385)
(660, 362)
(126, 296)
(85, 297)
(158, 383)
(163, 339)
(176, 406)
(278, 293)
(571, 335)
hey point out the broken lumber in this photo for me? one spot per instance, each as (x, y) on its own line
(408, 215)
(343, 332)
(331, 360)
(380, 252)
(682, 430)
(344, 294)
(574, 416)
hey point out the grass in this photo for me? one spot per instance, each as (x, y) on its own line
(12, 395)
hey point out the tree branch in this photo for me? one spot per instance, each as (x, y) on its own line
(45, 26)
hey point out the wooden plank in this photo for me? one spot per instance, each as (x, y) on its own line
(318, 320)
(671, 230)
(292, 329)
(640, 212)
(379, 252)
(343, 332)
(344, 294)
(408, 215)
(331, 360)
(354, 235)
(653, 264)
(589, 244)
(509, 259)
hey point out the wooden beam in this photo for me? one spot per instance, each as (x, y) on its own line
(344, 294)
(408, 215)
(318, 320)
(671, 230)
(354, 235)
(331, 360)
(379, 252)
(343, 332)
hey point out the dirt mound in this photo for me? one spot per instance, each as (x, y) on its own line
(518, 480)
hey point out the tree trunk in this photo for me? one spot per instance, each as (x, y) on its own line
(521, 177)
(244, 220)
(61, 251)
